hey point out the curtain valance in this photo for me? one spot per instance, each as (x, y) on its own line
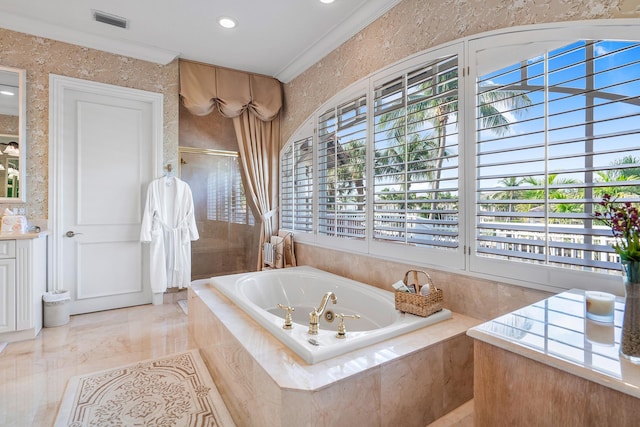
(203, 86)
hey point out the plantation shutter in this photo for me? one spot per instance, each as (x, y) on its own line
(218, 192)
(571, 136)
(286, 188)
(226, 200)
(416, 157)
(240, 211)
(296, 186)
(342, 133)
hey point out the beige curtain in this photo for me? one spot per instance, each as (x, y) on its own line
(259, 147)
(204, 87)
(254, 103)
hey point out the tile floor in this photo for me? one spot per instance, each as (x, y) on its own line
(34, 373)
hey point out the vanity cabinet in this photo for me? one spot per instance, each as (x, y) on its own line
(7, 286)
(23, 281)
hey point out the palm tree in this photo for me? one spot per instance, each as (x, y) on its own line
(616, 191)
(539, 191)
(510, 193)
(439, 106)
(407, 162)
(619, 174)
(350, 170)
(633, 171)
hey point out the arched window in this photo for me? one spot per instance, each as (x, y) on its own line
(487, 156)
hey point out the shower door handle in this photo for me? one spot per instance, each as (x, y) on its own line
(71, 233)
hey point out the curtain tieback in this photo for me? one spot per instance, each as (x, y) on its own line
(267, 216)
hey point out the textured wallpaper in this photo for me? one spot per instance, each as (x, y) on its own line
(416, 25)
(41, 57)
(408, 28)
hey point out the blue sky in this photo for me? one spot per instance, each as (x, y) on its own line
(566, 109)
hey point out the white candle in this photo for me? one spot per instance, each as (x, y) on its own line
(600, 305)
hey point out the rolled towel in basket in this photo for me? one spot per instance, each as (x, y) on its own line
(267, 254)
(278, 244)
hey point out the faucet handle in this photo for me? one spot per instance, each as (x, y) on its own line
(342, 331)
(287, 317)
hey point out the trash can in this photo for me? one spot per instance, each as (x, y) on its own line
(56, 308)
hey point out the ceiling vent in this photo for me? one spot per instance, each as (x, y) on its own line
(108, 19)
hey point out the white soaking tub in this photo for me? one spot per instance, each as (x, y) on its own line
(259, 293)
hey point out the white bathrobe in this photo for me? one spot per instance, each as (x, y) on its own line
(169, 224)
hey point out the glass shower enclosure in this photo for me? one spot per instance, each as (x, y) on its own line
(229, 236)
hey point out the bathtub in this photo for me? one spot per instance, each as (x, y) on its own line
(259, 293)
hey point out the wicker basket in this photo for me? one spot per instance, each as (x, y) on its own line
(414, 303)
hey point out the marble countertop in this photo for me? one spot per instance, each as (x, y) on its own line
(555, 332)
(21, 236)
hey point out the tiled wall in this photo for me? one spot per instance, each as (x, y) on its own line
(212, 131)
(481, 299)
(42, 57)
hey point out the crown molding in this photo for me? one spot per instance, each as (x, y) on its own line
(116, 46)
(369, 11)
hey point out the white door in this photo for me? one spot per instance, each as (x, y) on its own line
(106, 143)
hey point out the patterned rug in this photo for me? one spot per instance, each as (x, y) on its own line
(170, 391)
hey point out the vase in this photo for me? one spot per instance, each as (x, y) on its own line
(630, 340)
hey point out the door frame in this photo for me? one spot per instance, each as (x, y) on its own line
(57, 87)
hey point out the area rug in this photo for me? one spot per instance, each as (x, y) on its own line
(170, 391)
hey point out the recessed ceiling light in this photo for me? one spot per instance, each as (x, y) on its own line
(227, 22)
(326, 1)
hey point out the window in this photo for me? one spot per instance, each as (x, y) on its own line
(296, 186)
(342, 136)
(415, 166)
(555, 132)
(488, 156)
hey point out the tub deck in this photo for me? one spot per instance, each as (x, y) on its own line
(409, 380)
(301, 287)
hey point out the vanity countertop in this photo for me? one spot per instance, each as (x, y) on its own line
(556, 333)
(22, 236)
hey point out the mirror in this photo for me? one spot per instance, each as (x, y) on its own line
(12, 134)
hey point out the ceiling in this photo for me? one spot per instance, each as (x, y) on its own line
(278, 38)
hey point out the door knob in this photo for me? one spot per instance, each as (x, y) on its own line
(71, 233)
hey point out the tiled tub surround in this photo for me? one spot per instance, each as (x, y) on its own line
(479, 298)
(303, 288)
(410, 380)
(572, 363)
